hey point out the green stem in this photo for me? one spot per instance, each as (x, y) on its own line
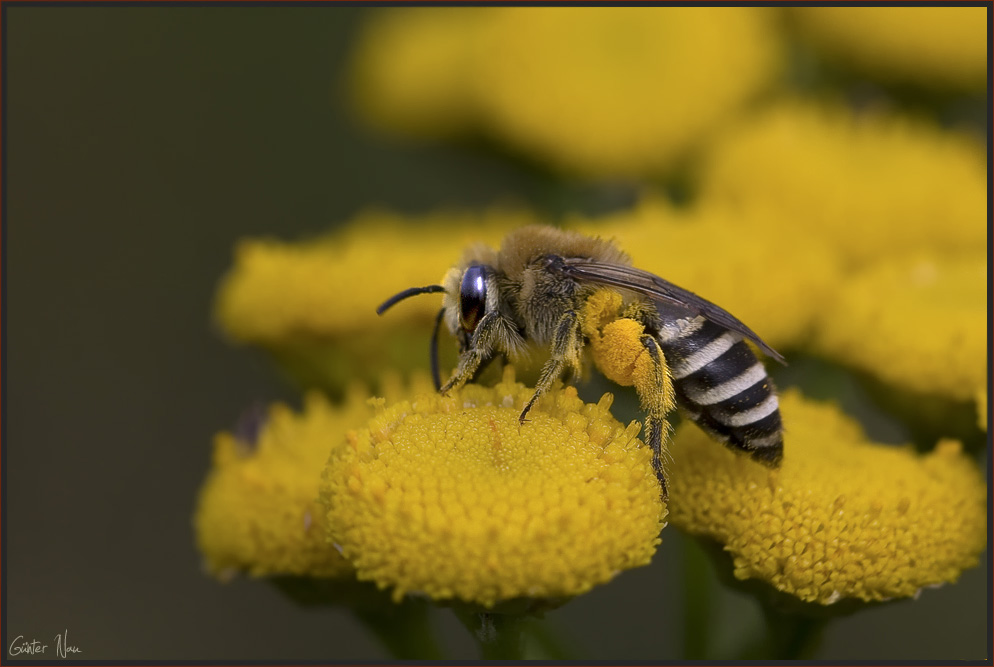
(792, 636)
(405, 630)
(545, 642)
(696, 601)
(498, 635)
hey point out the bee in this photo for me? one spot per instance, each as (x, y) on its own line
(533, 291)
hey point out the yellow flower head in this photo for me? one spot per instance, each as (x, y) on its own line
(600, 91)
(867, 185)
(773, 282)
(257, 510)
(410, 72)
(618, 90)
(932, 46)
(842, 518)
(453, 498)
(918, 323)
(313, 303)
(331, 286)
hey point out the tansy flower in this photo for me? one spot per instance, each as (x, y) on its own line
(602, 91)
(411, 72)
(930, 46)
(866, 185)
(331, 286)
(773, 282)
(918, 323)
(609, 91)
(842, 517)
(313, 303)
(257, 511)
(451, 497)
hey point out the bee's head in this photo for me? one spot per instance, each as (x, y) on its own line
(470, 293)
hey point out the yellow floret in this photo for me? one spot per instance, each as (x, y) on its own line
(453, 498)
(866, 185)
(931, 46)
(917, 323)
(257, 511)
(842, 518)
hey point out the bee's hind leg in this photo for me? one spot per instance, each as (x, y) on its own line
(567, 344)
(656, 396)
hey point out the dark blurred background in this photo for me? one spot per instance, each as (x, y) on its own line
(141, 142)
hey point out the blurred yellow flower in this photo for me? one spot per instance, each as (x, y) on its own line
(453, 498)
(918, 323)
(774, 282)
(258, 511)
(842, 518)
(931, 46)
(331, 364)
(602, 91)
(866, 185)
(621, 91)
(411, 70)
(331, 286)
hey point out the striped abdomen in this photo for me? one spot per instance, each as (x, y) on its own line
(723, 387)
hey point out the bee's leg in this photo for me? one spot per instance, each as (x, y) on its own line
(481, 348)
(567, 344)
(656, 402)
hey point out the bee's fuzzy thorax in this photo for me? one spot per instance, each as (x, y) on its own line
(523, 245)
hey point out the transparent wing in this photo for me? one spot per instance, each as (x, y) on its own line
(662, 292)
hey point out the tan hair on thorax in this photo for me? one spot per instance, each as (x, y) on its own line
(523, 245)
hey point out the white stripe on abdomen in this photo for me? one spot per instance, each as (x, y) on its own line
(746, 417)
(730, 389)
(705, 355)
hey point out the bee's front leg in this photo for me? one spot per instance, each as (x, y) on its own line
(490, 336)
(567, 344)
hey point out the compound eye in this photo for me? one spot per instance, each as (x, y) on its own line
(472, 297)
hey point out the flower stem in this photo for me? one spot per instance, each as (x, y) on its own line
(542, 643)
(498, 635)
(791, 636)
(697, 601)
(405, 630)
